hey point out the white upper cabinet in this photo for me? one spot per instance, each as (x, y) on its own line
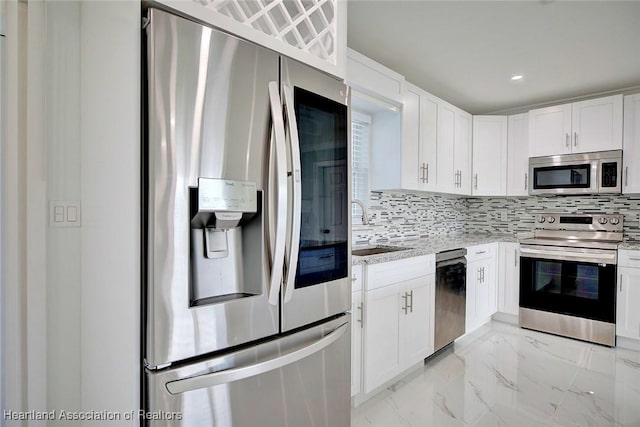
(453, 154)
(581, 127)
(489, 156)
(631, 157)
(370, 77)
(597, 124)
(518, 155)
(419, 138)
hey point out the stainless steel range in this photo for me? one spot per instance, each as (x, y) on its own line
(568, 276)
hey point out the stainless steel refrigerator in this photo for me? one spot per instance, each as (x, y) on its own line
(246, 219)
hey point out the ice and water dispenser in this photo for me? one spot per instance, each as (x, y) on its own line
(226, 240)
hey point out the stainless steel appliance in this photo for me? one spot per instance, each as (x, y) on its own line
(247, 233)
(451, 301)
(568, 276)
(588, 173)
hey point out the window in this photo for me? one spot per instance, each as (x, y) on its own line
(360, 140)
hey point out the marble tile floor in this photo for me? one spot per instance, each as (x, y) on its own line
(502, 375)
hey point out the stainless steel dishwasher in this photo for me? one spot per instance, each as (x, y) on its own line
(451, 296)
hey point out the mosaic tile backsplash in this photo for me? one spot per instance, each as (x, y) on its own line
(396, 216)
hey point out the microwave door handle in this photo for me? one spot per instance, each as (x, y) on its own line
(276, 223)
(239, 373)
(293, 218)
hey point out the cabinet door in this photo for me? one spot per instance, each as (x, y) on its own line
(518, 155)
(483, 290)
(382, 313)
(414, 320)
(412, 177)
(550, 131)
(597, 124)
(428, 140)
(446, 176)
(628, 301)
(462, 151)
(489, 156)
(356, 342)
(473, 277)
(631, 158)
(509, 278)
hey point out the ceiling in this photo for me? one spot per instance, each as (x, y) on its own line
(465, 52)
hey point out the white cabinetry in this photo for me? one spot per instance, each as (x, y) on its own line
(631, 144)
(356, 329)
(481, 285)
(509, 278)
(453, 150)
(372, 78)
(398, 301)
(628, 298)
(581, 127)
(419, 138)
(518, 155)
(489, 156)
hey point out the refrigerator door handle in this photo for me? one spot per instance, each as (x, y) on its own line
(294, 214)
(277, 219)
(239, 373)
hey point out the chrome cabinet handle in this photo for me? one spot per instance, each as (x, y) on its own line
(566, 140)
(294, 216)
(276, 211)
(427, 171)
(634, 259)
(361, 319)
(235, 374)
(422, 173)
(481, 252)
(475, 186)
(515, 251)
(575, 139)
(405, 307)
(620, 281)
(626, 176)
(411, 298)
(526, 180)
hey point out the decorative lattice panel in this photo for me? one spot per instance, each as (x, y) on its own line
(309, 25)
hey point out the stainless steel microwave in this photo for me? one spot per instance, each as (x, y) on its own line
(586, 173)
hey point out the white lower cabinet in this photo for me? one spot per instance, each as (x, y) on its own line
(509, 278)
(481, 285)
(356, 329)
(397, 319)
(628, 301)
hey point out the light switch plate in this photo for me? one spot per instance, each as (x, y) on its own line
(64, 213)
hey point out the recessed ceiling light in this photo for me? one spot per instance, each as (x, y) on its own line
(517, 77)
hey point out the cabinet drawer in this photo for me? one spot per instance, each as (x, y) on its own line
(356, 278)
(387, 273)
(478, 252)
(628, 258)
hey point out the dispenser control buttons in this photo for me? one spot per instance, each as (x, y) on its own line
(551, 220)
(602, 220)
(614, 221)
(541, 219)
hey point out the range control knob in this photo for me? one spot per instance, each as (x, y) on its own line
(541, 219)
(551, 219)
(614, 221)
(602, 220)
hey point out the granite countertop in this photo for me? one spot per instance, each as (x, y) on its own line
(630, 244)
(430, 245)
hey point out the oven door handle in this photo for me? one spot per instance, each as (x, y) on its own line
(595, 257)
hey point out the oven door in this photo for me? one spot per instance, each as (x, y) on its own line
(572, 281)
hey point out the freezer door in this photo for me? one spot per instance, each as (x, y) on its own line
(302, 379)
(318, 255)
(208, 109)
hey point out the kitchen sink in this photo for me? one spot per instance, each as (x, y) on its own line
(376, 250)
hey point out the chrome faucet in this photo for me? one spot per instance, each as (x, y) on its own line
(365, 220)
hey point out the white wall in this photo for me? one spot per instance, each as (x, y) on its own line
(71, 302)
